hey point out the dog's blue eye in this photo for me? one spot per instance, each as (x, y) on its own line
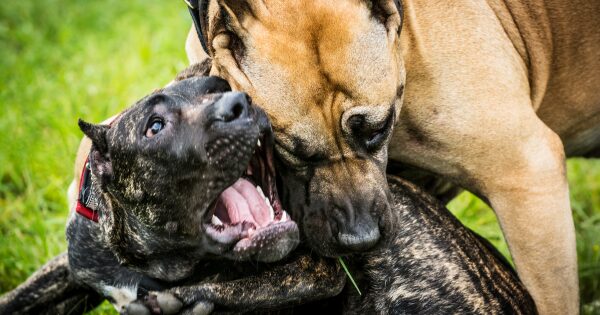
(155, 127)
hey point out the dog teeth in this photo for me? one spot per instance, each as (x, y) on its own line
(215, 220)
(260, 192)
(268, 202)
(284, 217)
(271, 213)
(258, 143)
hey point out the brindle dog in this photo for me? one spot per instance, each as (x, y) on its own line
(429, 263)
(183, 177)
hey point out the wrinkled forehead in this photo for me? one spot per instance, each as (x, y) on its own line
(312, 49)
(195, 90)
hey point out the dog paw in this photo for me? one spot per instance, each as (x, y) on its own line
(168, 303)
(200, 308)
(135, 308)
(156, 303)
(203, 308)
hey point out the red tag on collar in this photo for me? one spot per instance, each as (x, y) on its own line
(85, 190)
(86, 212)
(86, 193)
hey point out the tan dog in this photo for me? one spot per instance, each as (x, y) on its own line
(496, 93)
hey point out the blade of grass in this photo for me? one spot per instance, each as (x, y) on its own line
(349, 275)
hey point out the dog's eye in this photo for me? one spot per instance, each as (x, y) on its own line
(154, 127)
(371, 136)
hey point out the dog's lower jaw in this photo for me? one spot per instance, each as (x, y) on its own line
(268, 244)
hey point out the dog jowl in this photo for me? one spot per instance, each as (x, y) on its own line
(332, 111)
(184, 173)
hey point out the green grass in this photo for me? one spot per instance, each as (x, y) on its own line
(584, 180)
(61, 60)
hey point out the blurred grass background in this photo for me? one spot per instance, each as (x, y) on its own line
(61, 60)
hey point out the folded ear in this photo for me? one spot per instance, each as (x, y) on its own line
(99, 158)
(222, 29)
(389, 12)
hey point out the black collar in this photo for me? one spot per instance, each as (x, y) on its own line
(198, 12)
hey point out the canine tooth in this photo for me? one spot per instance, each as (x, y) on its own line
(284, 217)
(260, 192)
(258, 142)
(215, 220)
(271, 212)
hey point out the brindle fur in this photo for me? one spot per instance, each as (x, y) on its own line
(434, 265)
(50, 290)
(152, 195)
(430, 264)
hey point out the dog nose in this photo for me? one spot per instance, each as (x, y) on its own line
(361, 236)
(231, 106)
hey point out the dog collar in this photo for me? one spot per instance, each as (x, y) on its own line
(197, 11)
(88, 197)
(87, 202)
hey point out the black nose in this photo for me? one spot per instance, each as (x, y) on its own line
(360, 236)
(231, 106)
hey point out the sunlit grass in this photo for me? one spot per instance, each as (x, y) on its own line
(61, 60)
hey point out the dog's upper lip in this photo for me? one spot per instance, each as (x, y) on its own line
(253, 197)
(250, 206)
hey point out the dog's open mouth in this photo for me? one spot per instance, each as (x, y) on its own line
(252, 198)
(250, 212)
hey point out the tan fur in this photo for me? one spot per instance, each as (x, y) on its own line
(493, 91)
(310, 54)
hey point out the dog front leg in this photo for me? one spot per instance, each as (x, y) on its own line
(306, 278)
(522, 175)
(519, 167)
(532, 205)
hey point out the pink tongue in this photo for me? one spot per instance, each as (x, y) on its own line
(244, 203)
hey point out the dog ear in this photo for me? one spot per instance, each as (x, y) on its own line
(96, 133)
(99, 157)
(222, 30)
(389, 12)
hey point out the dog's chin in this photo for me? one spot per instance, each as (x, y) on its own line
(324, 245)
(265, 244)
